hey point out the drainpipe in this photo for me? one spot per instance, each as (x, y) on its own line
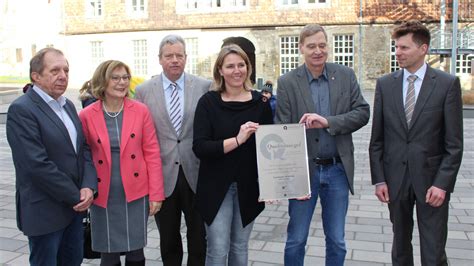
(360, 46)
(455, 37)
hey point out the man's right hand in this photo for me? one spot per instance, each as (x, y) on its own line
(381, 191)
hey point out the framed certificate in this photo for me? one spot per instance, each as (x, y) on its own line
(282, 161)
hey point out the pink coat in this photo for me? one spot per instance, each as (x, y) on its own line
(140, 162)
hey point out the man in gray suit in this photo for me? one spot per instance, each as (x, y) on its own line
(327, 98)
(48, 147)
(416, 146)
(172, 98)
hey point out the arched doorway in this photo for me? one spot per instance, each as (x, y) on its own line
(248, 48)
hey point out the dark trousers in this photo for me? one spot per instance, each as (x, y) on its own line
(432, 227)
(168, 220)
(63, 247)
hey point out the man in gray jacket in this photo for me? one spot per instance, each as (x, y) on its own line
(172, 97)
(327, 98)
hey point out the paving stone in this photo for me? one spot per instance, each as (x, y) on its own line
(7, 256)
(11, 244)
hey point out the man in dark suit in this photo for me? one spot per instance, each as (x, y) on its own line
(416, 146)
(174, 128)
(327, 98)
(52, 189)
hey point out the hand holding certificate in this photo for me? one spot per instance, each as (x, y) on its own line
(282, 162)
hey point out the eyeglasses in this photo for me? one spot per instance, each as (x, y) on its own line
(117, 79)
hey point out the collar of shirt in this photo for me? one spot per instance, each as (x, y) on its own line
(420, 73)
(310, 76)
(61, 100)
(179, 82)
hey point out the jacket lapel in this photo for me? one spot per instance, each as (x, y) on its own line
(98, 120)
(46, 109)
(427, 86)
(303, 86)
(397, 91)
(129, 117)
(334, 88)
(188, 98)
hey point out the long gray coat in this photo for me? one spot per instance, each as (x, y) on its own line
(349, 111)
(175, 150)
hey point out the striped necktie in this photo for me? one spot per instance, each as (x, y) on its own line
(410, 98)
(175, 108)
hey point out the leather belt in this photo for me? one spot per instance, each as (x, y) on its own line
(327, 161)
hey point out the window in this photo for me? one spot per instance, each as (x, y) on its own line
(19, 55)
(97, 53)
(297, 3)
(140, 61)
(289, 53)
(464, 63)
(33, 49)
(210, 5)
(137, 8)
(94, 8)
(344, 50)
(393, 59)
(192, 55)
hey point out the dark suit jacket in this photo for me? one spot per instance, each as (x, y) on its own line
(431, 149)
(49, 173)
(349, 111)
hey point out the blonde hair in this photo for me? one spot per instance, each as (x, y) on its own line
(102, 76)
(219, 82)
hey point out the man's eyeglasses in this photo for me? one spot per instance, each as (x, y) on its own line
(117, 79)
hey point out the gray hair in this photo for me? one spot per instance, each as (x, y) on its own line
(171, 39)
(310, 30)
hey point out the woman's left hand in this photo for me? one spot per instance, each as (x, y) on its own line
(155, 207)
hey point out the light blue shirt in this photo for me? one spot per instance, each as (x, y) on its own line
(58, 107)
(167, 88)
(420, 73)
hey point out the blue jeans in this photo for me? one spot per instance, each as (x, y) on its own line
(63, 247)
(227, 240)
(329, 182)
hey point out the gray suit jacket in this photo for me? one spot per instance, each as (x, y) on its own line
(175, 150)
(49, 173)
(349, 110)
(431, 149)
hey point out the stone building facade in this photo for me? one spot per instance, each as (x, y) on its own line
(358, 33)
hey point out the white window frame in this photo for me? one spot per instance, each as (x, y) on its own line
(192, 55)
(140, 57)
(94, 8)
(464, 63)
(137, 8)
(393, 59)
(209, 6)
(298, 4)
(97, 52)
(343, 49)
(289, 53)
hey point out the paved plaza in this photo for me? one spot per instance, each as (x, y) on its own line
(368, 229)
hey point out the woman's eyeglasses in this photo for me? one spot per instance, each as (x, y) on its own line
(117, 79)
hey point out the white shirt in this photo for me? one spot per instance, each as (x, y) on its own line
(58, 107)
(420, 73)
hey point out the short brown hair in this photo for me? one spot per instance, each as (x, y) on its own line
(311, 29)
(102, 76)
(37, 61)
(421, 34)
(219, 82)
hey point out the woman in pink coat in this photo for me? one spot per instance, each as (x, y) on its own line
(126, 155)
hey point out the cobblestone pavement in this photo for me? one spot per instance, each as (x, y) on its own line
(368, 229)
